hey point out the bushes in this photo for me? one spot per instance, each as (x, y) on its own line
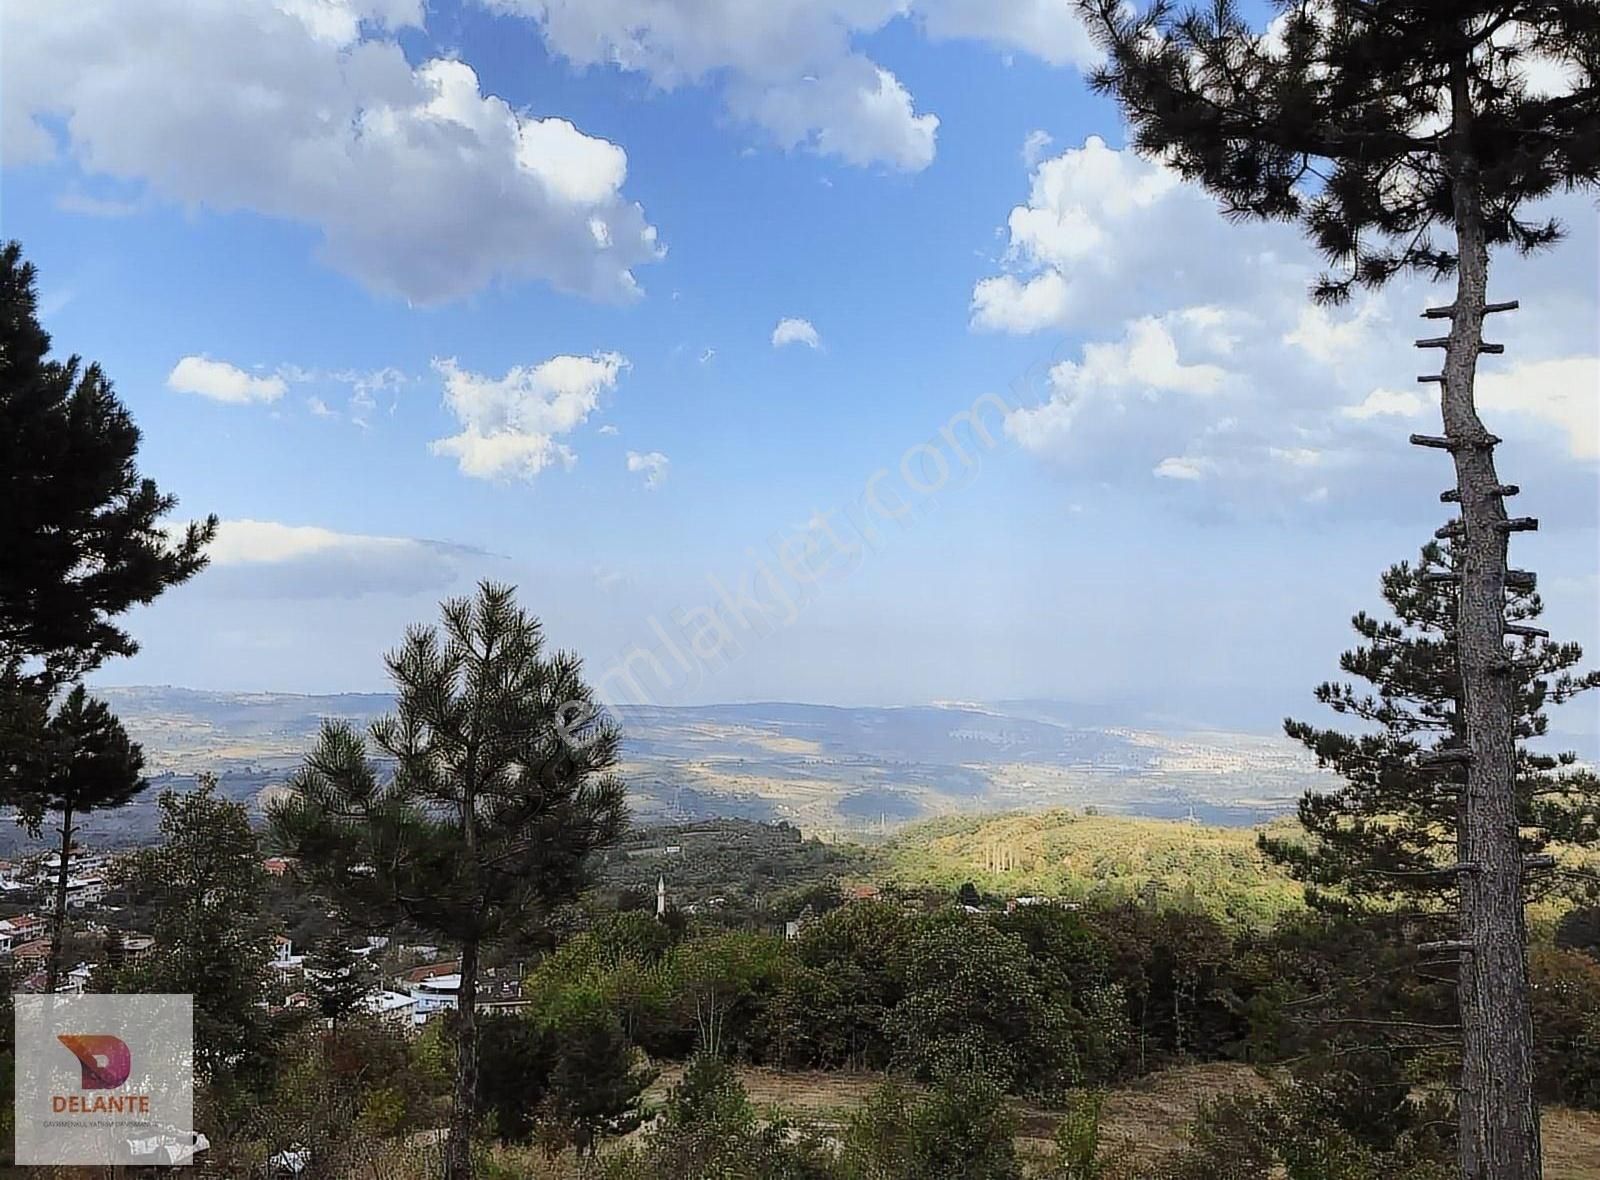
(973, 1005)
(1566, 1018)
(961, 1130)
(566, 1082)
(1318, 1129)
(1078, 1138)
(709, 1131)
(830, 1012)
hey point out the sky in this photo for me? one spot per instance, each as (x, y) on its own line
(823, 350)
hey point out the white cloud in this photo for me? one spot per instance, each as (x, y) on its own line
(1142, 366)
(223, 382)
(1007, 303)
(858, 112)
(1086, 211)
(1202, 358)
(1330, 338)
(1179, 468)
(791, 67)
(511, 426)
(1047, 29)
(1035, 146)
(268, 559)
(1296, 456)
(419, 184)
(1146, 358)
(319, 408)
(1564, 393)
(654, 465)
(795, 331)
(1398, 403)
(608, 429)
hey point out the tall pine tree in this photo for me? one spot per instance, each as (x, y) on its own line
(497, 798)
(86, 763)
(81, 528)
(1376, 124)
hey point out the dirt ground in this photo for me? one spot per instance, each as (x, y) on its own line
(1141, 1120)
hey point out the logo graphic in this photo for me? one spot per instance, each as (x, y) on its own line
(106, 1061)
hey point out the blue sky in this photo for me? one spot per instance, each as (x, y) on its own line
(413, 296)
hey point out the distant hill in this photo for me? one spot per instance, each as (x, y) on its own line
(839, 771)
(1098, 858)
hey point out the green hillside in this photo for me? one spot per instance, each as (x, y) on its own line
(1096, 858)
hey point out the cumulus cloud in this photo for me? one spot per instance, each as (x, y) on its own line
(792, 67)
(268, 559)
(1397, 403)
(512, 426)
(795, 331)
(1106, 235)
(1329, 337)
(1564, 393)
(1109, 379)
(222, 382)
(1199, 362)
(1047, 29)
(654, 465)
(419, 184)
(1082, 205)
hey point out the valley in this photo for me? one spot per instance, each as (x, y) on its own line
(856, 773)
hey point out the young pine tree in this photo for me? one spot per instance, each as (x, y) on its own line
(84, 763)
(1376, 124)
(337, 979)
(597, 1083)
(502, 787)
(81, 528)
(1391, 832)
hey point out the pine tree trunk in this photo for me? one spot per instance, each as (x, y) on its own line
(1499, 1120)
(458, 1153)
(58, 916)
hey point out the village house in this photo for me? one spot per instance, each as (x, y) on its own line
(432, 989)
(31, 955)
(85, 891)
(285, 964)
(136, 948)
(396, 1007)
(441, 993)
(22, 928)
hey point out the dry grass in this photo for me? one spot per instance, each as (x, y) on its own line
(1571, 1145)
(1138, 1122)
